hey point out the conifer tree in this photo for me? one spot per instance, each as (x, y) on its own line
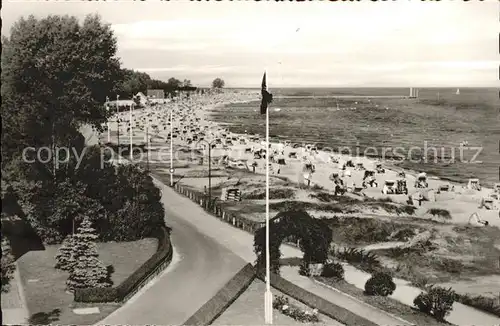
(88, 271)
(65, 258)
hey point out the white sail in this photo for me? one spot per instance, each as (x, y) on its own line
(458, 91)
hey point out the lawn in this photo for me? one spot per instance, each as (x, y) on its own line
(44, 286)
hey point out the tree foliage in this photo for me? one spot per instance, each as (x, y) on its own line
(218, 83)
(314, 238)
(437, 302)
(8, 266)
(56, 74)
(64, 259)
(88, 271)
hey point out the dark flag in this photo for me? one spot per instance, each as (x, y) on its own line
(267, 97)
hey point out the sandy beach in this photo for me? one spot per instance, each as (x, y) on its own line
(233, 159)
(191, 119)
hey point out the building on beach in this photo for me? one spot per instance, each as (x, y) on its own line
(156, 93)
(143, 99)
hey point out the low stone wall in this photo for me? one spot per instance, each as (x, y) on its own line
(214, 307)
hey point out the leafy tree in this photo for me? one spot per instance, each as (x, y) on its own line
(174, 83)
(8, 266)
(64, 258)
(88, 271)
(56, 72)
(186, 83)
(140, 209)
(218, 83)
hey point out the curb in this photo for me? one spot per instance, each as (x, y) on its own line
(362, 302)
(20, 291)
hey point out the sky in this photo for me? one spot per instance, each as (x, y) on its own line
(301, 44)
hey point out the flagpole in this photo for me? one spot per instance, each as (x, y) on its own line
(268, 299)
(107, 122)
(171, 148)
(131, 134)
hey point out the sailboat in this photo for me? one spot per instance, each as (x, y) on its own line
(458, 91)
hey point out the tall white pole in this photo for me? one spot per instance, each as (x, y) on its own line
(268, 299)
(171, 149)
(131, 134)
(107, 122)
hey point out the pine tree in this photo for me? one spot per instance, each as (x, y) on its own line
(65, 258)
(88, 271)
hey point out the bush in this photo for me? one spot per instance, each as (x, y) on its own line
(283, 305)
(491, 305)
(274, 193)
(380, 284)
(333, 270)
(443, 213)
(324, 197)
(365, 260)
(304, 269)
(403, 234)
(437, 302)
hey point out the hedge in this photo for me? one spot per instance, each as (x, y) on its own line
(327, 308)
(152, 267)
(214, 307)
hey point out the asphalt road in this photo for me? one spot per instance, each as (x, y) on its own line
(199, 271)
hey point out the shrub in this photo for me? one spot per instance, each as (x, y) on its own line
(403, 234)
(380, 284)
(323, 197)
(437, 302)
(8, 266)
(333, 270)
(491, 305)
(365, 260)
(304, 269)
(274, 193)
(283, 305)
(443, 213)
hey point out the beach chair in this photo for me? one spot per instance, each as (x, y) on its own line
(401, 187)
(475, 220)
(359, 167)
(389, 187)
(292, 155)
(487, 203)
(357, 190)
(473, 184)
(421, 181)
